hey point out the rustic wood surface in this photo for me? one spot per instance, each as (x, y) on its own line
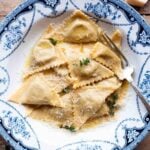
(7, 5)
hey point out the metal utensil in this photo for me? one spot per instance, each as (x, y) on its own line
(125, 63)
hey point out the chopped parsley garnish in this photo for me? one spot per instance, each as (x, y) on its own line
(115, 96)
(53, 41)
(111, 101)
(66, 90)
(71, 128)
(84, 62)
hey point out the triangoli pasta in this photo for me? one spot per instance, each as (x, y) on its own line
(70, 75)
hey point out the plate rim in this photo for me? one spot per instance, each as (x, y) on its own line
(5, 21)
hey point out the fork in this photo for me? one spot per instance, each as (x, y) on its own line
(105, 39)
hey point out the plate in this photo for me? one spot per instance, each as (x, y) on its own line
(19, 31)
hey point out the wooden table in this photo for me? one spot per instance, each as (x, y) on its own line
(7, 5)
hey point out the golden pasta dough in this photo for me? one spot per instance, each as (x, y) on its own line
(70, 76)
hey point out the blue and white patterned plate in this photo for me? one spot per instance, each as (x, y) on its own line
(19, 31)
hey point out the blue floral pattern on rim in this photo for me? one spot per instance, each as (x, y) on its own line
(14, 34)
(4, 80)
(16, 130)
(90, 145)
(52, 3)
(101, 9)
(16, 124)
(132, 134)
(145, 85)
(144, 38)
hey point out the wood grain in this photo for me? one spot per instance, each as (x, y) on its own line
(145, 144)
(2, 144)
(147, 18)
(145, 10)
(7, 5)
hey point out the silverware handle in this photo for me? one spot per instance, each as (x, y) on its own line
(140, 95)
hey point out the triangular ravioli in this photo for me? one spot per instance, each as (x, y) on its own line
(118, 95)
(85, 74)
(35, 90)
(69, 74)
(91, 98)
(79, 28)
(44, 56)
(62, 116)
(107, 57)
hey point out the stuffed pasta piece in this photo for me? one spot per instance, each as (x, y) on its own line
(86, 71)
(43, 57)
(108, 58)
(90, 100)
(78, 28)
(41, 89)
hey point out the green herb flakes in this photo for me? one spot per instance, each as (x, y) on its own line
(71, 128)
(53, 41)
(111, 102)
(114, 96)
(66, 90)
(84, 62)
